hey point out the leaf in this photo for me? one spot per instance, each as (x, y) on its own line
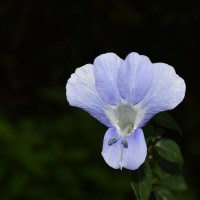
(170, 180)
(162, 193)
(174, 182)
(141, 182)
(169, 150)
(166, 120)
(149, 133)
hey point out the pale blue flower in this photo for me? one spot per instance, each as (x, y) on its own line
(124, 95)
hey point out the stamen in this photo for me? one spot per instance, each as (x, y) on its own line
(112, 141)
(124, 143)
(121, 157)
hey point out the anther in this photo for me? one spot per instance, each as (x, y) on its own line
(112, 141)
(124, 143)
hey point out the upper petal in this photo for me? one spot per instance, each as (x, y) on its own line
(81, 92)
(130, 157)
(166, 92)
(135, 77)
(106, 68)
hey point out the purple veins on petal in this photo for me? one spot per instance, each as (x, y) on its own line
(166, 92)
(81, 92)
(135, 77)
(106, 68)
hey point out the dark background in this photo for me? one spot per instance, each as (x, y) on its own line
(51, 151)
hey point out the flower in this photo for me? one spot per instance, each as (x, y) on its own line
(124, 95)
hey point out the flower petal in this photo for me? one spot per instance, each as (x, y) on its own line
(106, 68)
(135, 154)
(81, 92)
(111, 153)
(131, 156)
(166, 92)
(135, 77)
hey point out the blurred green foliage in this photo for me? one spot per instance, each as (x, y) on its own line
(49, 150)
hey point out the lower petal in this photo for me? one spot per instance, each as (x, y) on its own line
(135, 154)
(130, 156)
(111, 153)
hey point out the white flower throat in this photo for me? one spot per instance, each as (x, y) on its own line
(125, 117)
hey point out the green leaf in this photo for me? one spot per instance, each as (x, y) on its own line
(141, 182)
(164, 119)
(169, 150)
(149, 133)
(174, 182)
(162, 193)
